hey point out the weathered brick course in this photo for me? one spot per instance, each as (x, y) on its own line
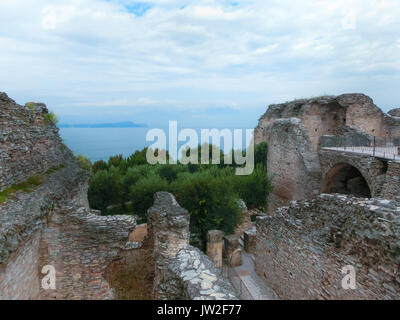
(302, 249)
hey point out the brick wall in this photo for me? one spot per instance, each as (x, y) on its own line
(301, 249)
(391, 188)
(19, 279)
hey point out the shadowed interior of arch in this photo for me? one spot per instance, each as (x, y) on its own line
(346, 179)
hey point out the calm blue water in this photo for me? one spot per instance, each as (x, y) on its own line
(101, 143)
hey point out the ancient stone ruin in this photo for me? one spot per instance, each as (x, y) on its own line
(299, 133)
(50, 224)
(336, 203)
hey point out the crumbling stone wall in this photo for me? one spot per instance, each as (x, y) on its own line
(19, 278)
(323, 115)
(168, 229)
(395, 112)
(25, 213)
(293, 160)
(371, 168)
(51, 224)
(29, 145)
(181, 271)
(302, 249)
(81, 245)
(391, 187)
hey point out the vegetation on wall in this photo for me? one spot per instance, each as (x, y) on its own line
(84, 162)
(25, 186)
(209, 192)
(50, 117)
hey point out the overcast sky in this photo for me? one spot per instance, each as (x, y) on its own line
(116, 58)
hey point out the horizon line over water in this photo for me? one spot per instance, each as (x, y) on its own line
(100, 143)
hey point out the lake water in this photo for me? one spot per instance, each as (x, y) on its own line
(101, 143)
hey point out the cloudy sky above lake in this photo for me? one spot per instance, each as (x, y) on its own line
(119, 59)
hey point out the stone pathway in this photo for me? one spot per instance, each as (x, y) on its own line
(247, 282)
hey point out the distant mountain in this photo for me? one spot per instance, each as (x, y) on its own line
(126, 124)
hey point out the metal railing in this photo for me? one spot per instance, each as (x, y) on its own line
(378, 147)
(388, 153)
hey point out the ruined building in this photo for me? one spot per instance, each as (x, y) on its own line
(297, 133)
(45, 221)
(335, 206)
(335, 165)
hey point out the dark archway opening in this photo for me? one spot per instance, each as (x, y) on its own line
(346, 179)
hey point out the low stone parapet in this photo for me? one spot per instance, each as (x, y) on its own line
(181, 271)
(191, 275)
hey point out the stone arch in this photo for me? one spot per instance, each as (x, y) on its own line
(370, 168)
(346, 179)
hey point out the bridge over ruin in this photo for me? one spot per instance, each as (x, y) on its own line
(365, 172)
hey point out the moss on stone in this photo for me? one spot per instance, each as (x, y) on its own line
(25, 186)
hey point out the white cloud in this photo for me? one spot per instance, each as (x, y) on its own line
(75, 52)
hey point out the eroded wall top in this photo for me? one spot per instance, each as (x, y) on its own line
(29, 142)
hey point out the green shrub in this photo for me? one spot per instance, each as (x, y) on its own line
(99, 165)
(254, 188)
(142, 193)
(51, 117)
(30, 106)
(170, 172)
(210, 198)
(84, 162)
(138, 158)
(261, 153)
(105, 188)
(208, 192)
(117, 161)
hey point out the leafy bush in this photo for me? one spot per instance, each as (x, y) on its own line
(99, 165)
(170, 172)
(261, 153)
(208, 192)
(142, 193)
(254, 188)
(84, 162)
(106, 188)
(138, 158)
(210, 198)
(51, 117)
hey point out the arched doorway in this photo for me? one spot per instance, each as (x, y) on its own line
(346, 179)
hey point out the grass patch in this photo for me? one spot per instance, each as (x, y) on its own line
(54, 169)
(25, 186)
(30, 106)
